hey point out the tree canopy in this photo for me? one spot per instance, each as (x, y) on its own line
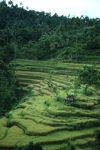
(41, 36)
(89, 76)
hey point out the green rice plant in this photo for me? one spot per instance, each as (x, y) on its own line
(76, 85)
(72, 126)
(69, 146)
(40, 91)
(67, 76)
(68, 87)
(60, 98)
(50, 77)
(54, 89)
(21, 113)
(92, 124)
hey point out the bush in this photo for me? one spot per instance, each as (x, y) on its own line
(96, 146)
(31, 146)
(7, 87)
(89, 91)
(89, 76)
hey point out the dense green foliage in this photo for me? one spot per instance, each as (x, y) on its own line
(7, 78)
(7, 87)
(89, 75)
(7, 70)
(39, 35)
(97, 145)
(31, 146)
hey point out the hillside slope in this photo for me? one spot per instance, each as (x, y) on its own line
(44, 116)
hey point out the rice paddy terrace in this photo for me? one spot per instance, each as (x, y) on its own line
(43, 116)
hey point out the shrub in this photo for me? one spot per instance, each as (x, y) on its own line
(89, 91)
(88, 76)
(31, 146)
(96, 146)
(70, 146)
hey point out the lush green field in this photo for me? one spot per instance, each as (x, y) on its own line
(43, 115)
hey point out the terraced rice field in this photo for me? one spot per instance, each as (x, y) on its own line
(43, 116)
